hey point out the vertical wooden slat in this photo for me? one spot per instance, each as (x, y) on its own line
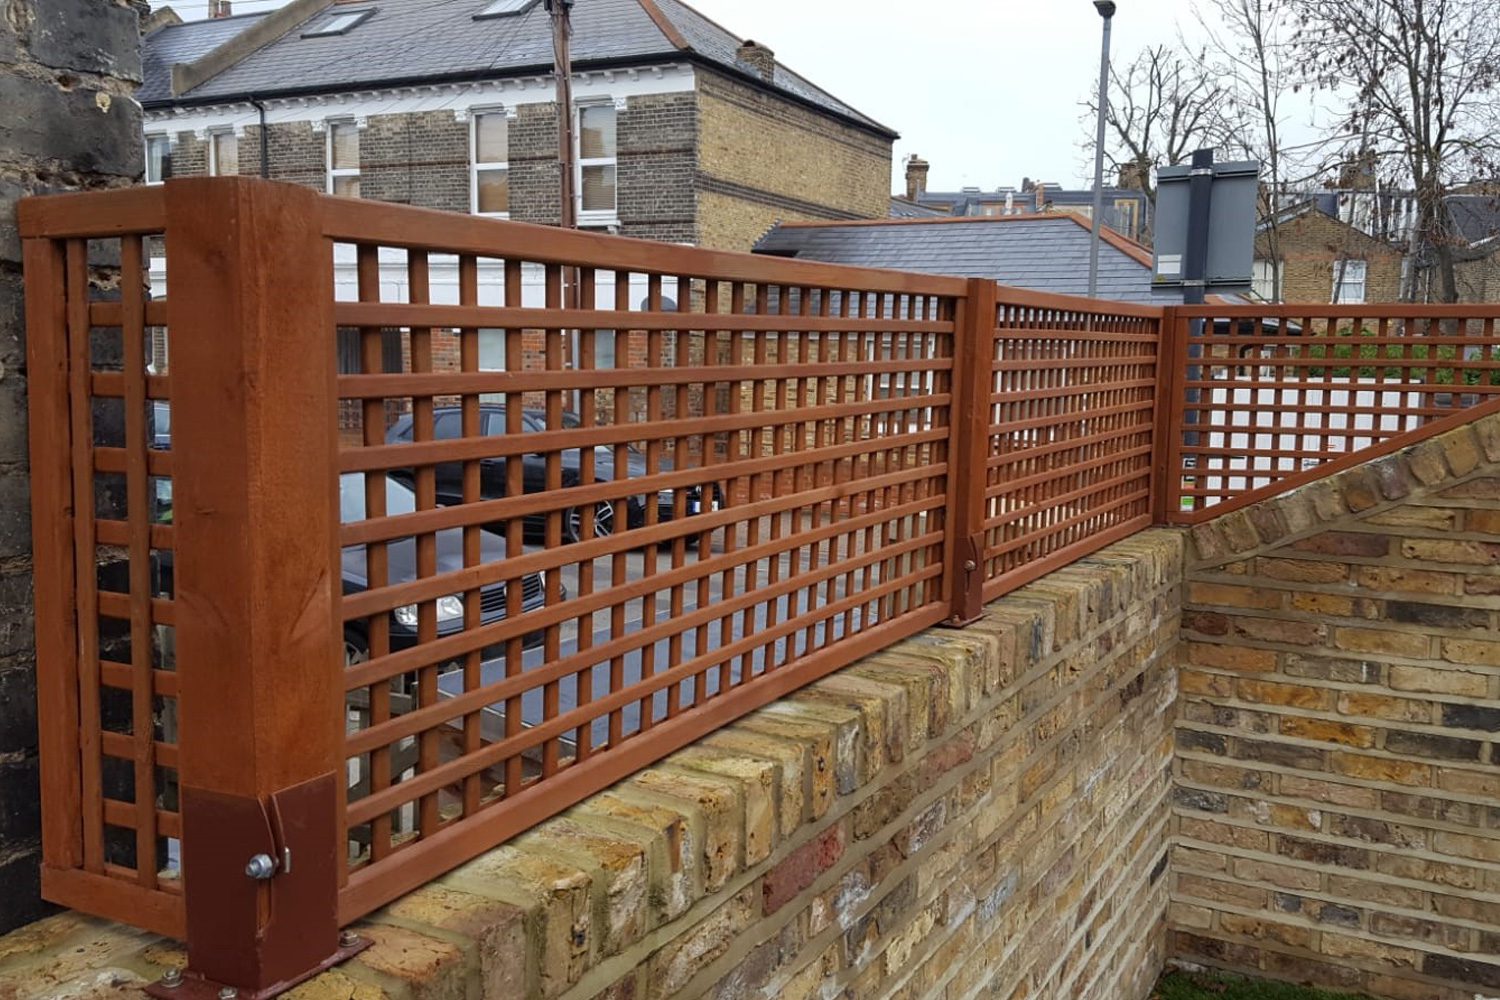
(377, 555)
(470, 426)
(80, 365)
(137, 506)
(58, 618)
(420, 346)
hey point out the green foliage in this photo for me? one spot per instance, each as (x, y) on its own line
(1223, 986)
(1343, 345)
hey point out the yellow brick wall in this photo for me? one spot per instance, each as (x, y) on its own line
(967, 814)
(1336, 746)
(1312, 242)
(762, 158)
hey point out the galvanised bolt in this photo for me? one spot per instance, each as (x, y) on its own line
(172, 978)
(228, 993)
(260, 867)
(348, 939)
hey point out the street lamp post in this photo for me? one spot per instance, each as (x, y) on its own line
(1106, 9)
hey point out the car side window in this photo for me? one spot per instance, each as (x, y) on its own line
(446, 426)
(494, 422)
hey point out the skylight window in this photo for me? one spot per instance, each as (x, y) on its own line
(338, 23)
(505, 8)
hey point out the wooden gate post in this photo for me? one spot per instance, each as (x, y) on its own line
(968, 449)
(254, 447)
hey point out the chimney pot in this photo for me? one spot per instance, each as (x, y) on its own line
(916, 177)
(219, 8)
(761, 60)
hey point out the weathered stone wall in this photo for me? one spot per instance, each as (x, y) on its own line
(977, 813)
(68, 69)
(1337, 781)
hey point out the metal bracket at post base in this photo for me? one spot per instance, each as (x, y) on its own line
(189, 985)
(257, 926)
(968, 590)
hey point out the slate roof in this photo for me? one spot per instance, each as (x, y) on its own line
(1476, 217)
(903, 209)
(1044, 253)
(416, 41)
(180, 43)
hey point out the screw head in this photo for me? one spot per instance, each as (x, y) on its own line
(348, 939)
(172, 978)
(228, 993)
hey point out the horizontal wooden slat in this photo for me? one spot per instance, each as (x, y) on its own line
(160, 911)
(454, 384)
(95, 214)
(397, 456)
(400, 314)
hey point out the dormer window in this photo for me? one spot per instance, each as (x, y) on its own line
(505, 8)
(339, 22)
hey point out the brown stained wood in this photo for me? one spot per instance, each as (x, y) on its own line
(85, 574)
(94, 214)
(968, 448)
(426, 543)
(415, 721)
(117, 899)
(138, 491)
(556, 317)
(377, 556)
(255, 519)
(53, 567)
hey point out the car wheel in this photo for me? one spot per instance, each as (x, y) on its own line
(356, 649)
(604, 522)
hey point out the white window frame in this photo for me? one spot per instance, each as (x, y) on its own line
(1263, 278)
(339, 22)
(1344, 282)
(156, 137)
(475, 166)
(331, 171)
(512, 8)
(213, 151)
(596, 216)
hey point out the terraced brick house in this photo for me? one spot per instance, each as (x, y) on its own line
(686, 133)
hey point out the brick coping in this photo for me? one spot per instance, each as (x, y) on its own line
(1353, 493)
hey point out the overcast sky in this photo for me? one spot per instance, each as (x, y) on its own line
(987, 91)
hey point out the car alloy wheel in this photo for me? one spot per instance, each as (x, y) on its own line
(604, 522)
(356, 650)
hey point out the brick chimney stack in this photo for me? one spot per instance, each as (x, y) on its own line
(761, 60)
(916, 177)
(219, 8)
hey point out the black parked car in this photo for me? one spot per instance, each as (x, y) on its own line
(401, 561)
(447, 424)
